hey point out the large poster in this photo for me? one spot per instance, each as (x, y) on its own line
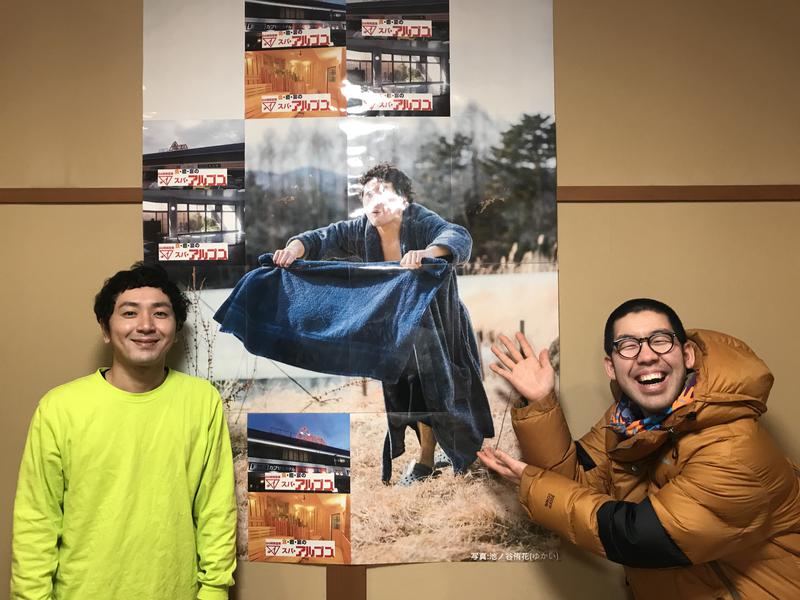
(358, 199)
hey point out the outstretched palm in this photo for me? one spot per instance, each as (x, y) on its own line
(531, 375)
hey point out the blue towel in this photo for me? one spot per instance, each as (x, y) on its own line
(354, 319)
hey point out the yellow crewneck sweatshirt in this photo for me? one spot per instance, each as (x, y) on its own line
(125, 496)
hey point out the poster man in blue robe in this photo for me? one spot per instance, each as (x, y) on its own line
(440, 393)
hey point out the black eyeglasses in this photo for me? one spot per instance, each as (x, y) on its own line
(660, 342)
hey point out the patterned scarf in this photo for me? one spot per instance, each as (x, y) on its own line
(628, 419)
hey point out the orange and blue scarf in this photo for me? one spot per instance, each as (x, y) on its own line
(628, 419)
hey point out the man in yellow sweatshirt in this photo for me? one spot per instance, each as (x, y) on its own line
(126, 484)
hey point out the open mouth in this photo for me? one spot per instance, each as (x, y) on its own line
(651, 379)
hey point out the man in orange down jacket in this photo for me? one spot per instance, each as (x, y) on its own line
(677, 481)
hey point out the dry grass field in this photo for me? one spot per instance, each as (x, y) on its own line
(449, 518)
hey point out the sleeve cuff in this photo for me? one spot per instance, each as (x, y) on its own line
(304, 241)
(529, 477)
(523, 409)
(544, 437)
(209, 592)
(563, 506)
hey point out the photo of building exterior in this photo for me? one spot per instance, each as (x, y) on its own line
(273, 450)
(182, 156)
(193, 199)
(409, 54)
(262, 17)
(298, 488)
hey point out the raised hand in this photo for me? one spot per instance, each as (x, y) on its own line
(532, 376)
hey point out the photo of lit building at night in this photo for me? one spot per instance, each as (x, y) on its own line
(283, 449)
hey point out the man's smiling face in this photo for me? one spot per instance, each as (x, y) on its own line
(652, 381)
(142, 328)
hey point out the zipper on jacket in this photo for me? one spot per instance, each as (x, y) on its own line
(725, 580)
(673, 438)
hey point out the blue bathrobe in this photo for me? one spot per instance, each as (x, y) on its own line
(441, 384)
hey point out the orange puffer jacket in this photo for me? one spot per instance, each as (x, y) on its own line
(706, 507)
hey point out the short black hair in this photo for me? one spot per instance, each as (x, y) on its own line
(387, 172)
(637, 305)
(140, 275)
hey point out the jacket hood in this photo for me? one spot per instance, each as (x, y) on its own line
(732, 383)
(729, 371)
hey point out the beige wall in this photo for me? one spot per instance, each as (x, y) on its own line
(677, 93)
(648, 93)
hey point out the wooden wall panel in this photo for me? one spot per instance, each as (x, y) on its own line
(649, 95)
(677, 93)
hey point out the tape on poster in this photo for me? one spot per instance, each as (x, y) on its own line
(282, 548)
(291, 103)
(298, 38)
(193, 251)
(396, 28)
(196, 178)
(299, 482)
